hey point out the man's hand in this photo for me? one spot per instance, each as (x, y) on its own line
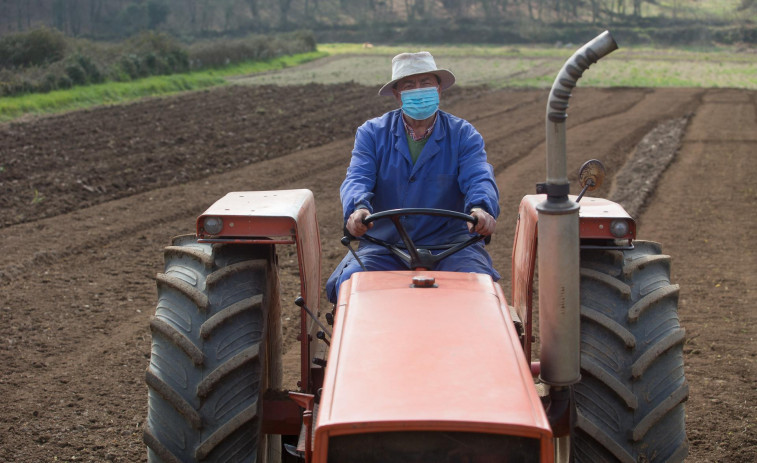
(486, 223)
(355, 224)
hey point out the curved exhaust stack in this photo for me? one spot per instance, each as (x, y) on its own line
(566, 80)
(558, 241)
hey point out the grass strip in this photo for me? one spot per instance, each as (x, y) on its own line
(564, 51)
(120, 92)
(537, 66)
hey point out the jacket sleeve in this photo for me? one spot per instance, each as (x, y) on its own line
(357, 188)
(476, 176)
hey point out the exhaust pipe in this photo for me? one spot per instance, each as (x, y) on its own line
(557, 104)
(558, 240)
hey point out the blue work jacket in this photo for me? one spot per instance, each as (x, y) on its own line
(451, 173)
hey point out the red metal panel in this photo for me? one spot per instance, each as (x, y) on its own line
(595, 217)
(442, 358)
(524, 264)
(257, 213)
(271, 217)
(281, 416)
(596, 214)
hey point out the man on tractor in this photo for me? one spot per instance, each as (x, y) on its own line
(417, 156)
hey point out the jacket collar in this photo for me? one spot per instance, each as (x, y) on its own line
(432, 145)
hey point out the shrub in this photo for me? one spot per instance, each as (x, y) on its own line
(152, 53)
(219, 53)
(76, 74)
(149, 53)
(82, 70)
(302, 41)
(6, 77)
(90, 69)
(129, 65)
(36, 47)
(151, 63)
(178, 60)
(65, 82)
(49, 83)
(156, 42)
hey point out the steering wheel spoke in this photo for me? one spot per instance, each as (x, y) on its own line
(420, 257)
(396, 250)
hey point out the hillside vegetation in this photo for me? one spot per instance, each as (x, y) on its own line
(44, 59)
(396, 21)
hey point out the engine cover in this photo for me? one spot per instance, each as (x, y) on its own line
(426, 351)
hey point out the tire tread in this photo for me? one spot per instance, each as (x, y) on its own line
(633, 386)
(210, 361)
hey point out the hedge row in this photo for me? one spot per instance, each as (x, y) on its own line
(43, 60)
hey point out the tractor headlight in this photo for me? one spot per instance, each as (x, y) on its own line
(212, 225)
(619, 228)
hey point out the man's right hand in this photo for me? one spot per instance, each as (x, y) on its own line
(355, 224)
(485, 225)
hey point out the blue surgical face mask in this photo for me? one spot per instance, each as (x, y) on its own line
(420, 103)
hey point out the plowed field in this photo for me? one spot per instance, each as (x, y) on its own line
(90, 198)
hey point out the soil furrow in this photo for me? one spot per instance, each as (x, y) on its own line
(79, 291)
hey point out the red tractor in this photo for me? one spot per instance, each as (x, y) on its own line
(422, 365)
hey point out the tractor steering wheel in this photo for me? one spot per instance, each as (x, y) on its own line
(420, 257)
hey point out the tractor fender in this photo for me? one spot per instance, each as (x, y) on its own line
(596, 217)
(273, 217)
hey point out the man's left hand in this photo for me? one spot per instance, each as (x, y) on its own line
(486, 223)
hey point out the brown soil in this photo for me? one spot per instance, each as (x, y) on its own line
(90, 199)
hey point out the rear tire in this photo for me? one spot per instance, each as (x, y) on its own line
(630, 401)
(216, 349)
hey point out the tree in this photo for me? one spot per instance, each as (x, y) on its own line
(95, 14)
(207, 12)
(254, 8)
(132, 19)
(157, 13)
(637, 8)
(284, 6)
(415, 9)
(621, 7)
(74, 16)
(595, 11)
(420, 8)
(490, 9)
(456, 8)
(22, 14)
(59, 15)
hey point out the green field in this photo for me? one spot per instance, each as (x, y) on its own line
(122, 92)
(509, 66)
(496, 66)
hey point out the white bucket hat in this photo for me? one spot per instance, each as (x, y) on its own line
(410, 64)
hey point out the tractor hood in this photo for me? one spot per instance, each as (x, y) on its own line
(439, 358)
